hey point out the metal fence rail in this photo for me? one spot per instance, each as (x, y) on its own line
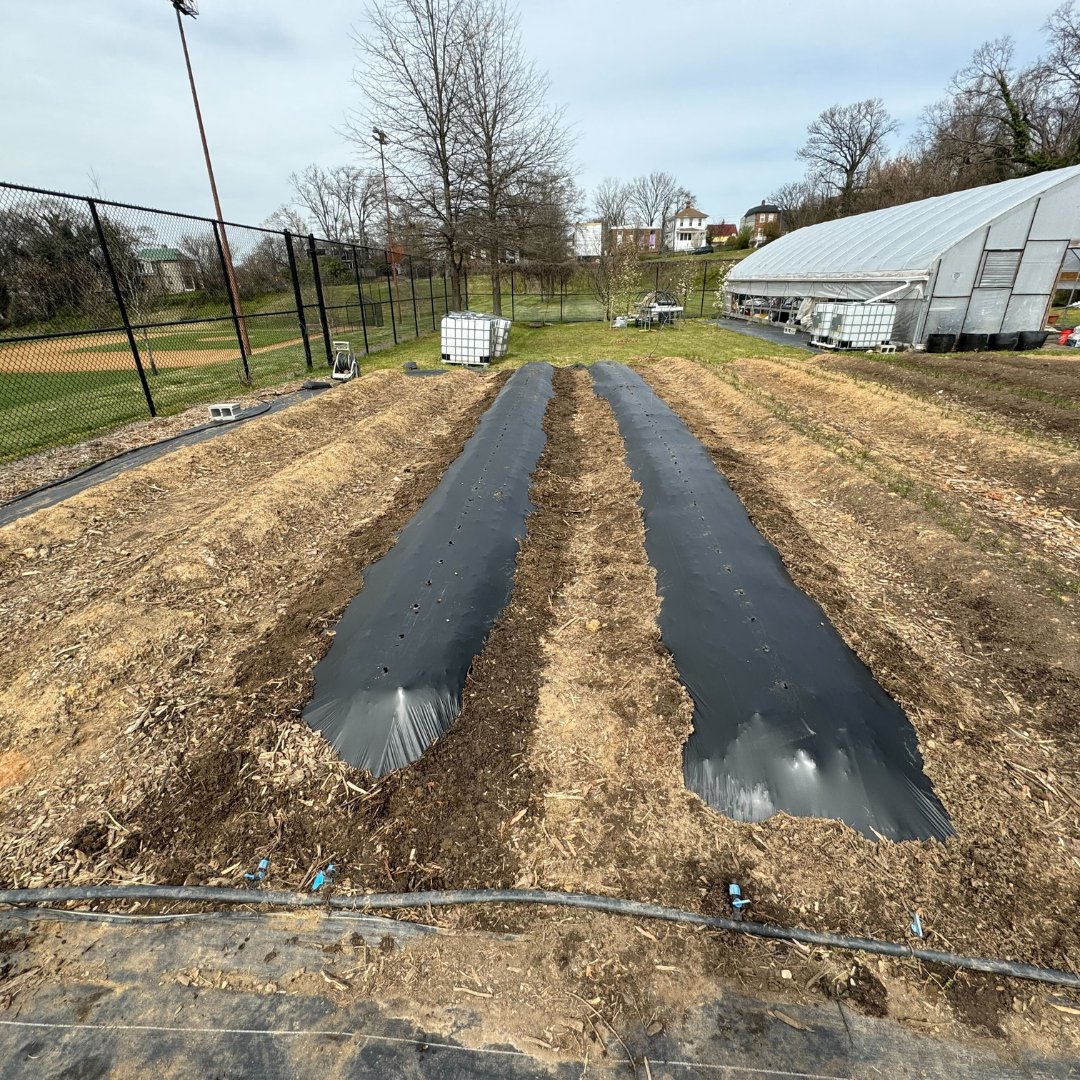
(111, 312)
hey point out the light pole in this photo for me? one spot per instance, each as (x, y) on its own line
(191, 9)
(382, 139)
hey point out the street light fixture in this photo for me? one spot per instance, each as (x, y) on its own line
(190, 8)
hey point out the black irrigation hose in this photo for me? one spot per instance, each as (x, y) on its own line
(134, 450)
(612, 905)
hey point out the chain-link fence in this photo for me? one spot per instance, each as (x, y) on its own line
(110, 313)
(575, 291)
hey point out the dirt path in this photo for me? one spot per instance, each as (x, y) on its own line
(1010, 494)
(75, 354)
(1037, 397)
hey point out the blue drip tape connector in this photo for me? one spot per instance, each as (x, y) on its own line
(258, 875)
(738, 901)
(323, 877)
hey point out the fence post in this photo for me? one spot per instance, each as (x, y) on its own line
(562, 291)
(118, 293)
(431, 297)
(360, 297)
(313, 255)
(656, 283)
(445, 294)
(465, 278)
(390, 287)
(412, 289)
(232, 302)
(301, 317)
(511, 294)
(704, 282)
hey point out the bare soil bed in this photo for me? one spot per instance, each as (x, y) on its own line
(1039, 397)
(58, 462)
(162, 629)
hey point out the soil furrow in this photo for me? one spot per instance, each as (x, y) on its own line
(1055, 381)
(1030, 414)
(613, 716)
(979, 486)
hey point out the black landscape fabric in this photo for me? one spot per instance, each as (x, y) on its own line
(392, 682)
(786, 717)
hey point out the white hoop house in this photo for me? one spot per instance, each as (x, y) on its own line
(982, 261)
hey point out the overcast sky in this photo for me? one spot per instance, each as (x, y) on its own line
(718, 93)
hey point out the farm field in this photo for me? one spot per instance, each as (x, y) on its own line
(162, 629)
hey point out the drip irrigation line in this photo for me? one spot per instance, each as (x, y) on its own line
(205, 894)
(135, 450)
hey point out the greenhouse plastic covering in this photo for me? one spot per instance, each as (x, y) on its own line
(392, 682)
(890, 245)
(786, 716)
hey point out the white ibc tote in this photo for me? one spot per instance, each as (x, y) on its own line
(502, 335)
(467, 338)
(471, 338)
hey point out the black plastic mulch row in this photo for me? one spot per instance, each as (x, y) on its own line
(786, 716)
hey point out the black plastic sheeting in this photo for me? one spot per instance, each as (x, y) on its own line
(58, 490)
(786, 717)
(392, 682)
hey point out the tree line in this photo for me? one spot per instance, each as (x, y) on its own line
(477, 158)
(999, 118)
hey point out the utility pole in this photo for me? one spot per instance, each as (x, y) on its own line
(382, 139)
(191, 9)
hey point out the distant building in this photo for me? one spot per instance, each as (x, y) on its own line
(170, 271)
(588, 239)
(722, 233)
(763, 221)
(687, 229)
(647, 237)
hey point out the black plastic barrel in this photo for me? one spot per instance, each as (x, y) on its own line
(1000, 342)
(971, 342)
(1031, 339)
(940, 342)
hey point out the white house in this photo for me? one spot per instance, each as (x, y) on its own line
(588, 239)
(687, 229)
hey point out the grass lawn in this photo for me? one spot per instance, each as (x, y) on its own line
(584, 343)
(43, 409)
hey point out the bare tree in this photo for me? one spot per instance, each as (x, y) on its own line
(286, 219)
(513, 137)
(651, 196)
(1063, 30)
(412, 77)
(1000, 120)
(656, 197)
(611, 205)
(314, 191)
(843, 142)
(801, 203)
(341, 202)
